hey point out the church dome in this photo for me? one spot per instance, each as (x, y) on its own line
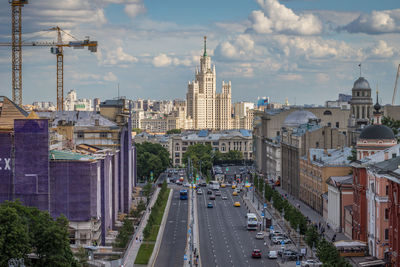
(299, 117)
(361, 83)
(377, 132)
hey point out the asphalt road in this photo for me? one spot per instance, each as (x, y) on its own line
(173, 241)
(224, 239)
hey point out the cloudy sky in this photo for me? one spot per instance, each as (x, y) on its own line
(305, 50)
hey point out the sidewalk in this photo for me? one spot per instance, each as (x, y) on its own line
(134, 246)
(314, 216)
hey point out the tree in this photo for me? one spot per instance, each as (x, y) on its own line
(174, 131)
(14, 238)
(200, 153)
(312, 236)
(391, 123)
(353, 156)
(42, 235)
(137, 130)
(151, 158)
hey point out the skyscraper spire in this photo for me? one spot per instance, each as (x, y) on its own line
(205, 46)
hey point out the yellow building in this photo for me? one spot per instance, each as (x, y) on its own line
(315, 170)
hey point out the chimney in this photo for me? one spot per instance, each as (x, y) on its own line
(96, 122)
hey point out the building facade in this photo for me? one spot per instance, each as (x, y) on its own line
(223, 141)
(315, 169)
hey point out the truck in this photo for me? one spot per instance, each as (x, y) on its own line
(252, 221)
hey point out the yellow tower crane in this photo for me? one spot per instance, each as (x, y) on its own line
(16, 25)
(56, 49)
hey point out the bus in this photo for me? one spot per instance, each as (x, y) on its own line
(214, 185)
(351, 248)
(252, 222)
(183, 194)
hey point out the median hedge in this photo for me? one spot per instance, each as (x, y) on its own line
(326, 251)
(150, 232)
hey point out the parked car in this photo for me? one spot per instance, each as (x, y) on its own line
(311, 263)
(256, 253)
(291, 255)
(272, 254)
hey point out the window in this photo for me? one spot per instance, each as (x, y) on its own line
(81, 135)
(103, 135)
(394, 155)
(386, 214)
(387, 190)
(327, 112)
(386, 234)
(177, 155)
(358, 93)
(184, 148)
(177, 161)
(215, 143)
(329, 124)
(337, 124)
(317, 144)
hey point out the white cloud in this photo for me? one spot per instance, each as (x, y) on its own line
(240, 48)
(290, 77)
(378, 22)
(118, 56)
(162, 60)
(381, 50)
(110, 77)
(276, 17)
(132, 10)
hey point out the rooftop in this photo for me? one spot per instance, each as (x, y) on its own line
(77, 118)
(205, 135)
(69, 155)
(330, 157)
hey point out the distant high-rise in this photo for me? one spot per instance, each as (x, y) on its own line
(205, 107)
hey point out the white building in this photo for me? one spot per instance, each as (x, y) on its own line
(72, 103)
(208, 109)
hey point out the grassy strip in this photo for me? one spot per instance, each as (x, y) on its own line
(150, 232)
(144, 253)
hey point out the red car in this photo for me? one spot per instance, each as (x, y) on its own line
(256, 253)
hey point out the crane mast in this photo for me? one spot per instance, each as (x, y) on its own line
(16, 8)
(395, 85)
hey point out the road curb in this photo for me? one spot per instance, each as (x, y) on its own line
(196, 236)
(161, 230)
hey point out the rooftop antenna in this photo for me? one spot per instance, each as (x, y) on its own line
(359, 65)
(118, 90)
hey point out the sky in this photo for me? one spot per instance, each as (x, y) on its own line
(307, 51)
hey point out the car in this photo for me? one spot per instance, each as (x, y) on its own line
(223, 185)
(212, 197)
(311, 262)
(210, 205)
(277, 240)
(272, 254)
(224, 197)
(256, 253)
(233, 186)
(186, 184)
(290, 255)
(236, 204)
(209, 192)
(199, 192)
(203, 184)
(178, 182)
(260, 235)
(234, 193)
(217, 193)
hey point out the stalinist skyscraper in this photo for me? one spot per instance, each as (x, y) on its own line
(205, 107)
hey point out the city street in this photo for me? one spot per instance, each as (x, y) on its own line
(224, 239)
(173, 242)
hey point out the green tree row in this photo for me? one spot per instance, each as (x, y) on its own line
(151, 158)
(151, 230)
(25, 230)
(326, 251)
(205, 154)
(391, 123)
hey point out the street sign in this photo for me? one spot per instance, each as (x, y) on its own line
(282, 243)
(262, 214)
(265, 205)
(271, 227)
(185, 257)
(297, 263)
(227, 169)
(189, 231)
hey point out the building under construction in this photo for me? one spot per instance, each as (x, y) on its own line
(87, 184)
